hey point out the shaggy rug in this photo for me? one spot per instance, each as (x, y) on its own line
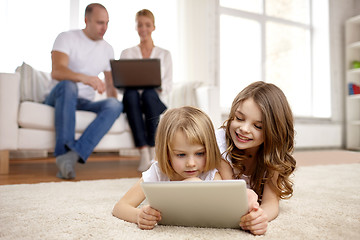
(325, 205)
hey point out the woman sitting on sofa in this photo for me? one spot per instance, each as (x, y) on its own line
(150, 101)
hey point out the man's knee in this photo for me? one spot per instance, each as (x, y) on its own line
(115, 106)
(68, 87)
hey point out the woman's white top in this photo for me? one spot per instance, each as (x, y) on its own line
(221, 141)
(165, 62)
(154, 174)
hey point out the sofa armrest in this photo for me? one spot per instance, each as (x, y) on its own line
(9, 105)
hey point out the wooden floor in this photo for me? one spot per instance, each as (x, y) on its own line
(98, 166)
(112, 166)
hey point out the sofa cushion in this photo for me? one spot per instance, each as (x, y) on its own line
(34, 115)
(30, 139)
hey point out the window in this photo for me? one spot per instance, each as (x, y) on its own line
(240, 56)
(274, 41)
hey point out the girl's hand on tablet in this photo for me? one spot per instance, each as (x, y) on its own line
(148, 218)
(255, 221)
(192, 179)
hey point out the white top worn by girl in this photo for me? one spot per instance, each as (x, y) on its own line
(221, 141)
(165, 62)
(154, 174)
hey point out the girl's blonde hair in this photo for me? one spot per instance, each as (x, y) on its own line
(145, 13)
(274, 155)
(198, 129)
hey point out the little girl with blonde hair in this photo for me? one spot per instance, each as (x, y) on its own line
(185, 149)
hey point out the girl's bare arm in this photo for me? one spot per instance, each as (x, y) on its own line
(270, 201)
(257, 220)
(126, 209)
(225, 170)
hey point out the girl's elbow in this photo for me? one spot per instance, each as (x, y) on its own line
(116, 212)
(275, 213)
(272, 210)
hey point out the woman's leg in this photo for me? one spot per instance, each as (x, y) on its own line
(153, 107)
(133, 109)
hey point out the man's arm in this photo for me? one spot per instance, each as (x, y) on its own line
(109, 85)
(60, 71)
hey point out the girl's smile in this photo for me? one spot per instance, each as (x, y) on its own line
(246, 127)
(242, 138)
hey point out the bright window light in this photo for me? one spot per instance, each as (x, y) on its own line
(285, 44)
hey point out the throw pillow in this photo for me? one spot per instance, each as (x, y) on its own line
(33, 83)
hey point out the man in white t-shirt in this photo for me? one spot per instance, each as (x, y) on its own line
(78, 56)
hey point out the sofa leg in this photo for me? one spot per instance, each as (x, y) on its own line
(4, 161)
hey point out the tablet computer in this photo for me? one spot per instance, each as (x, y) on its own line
(217, 204)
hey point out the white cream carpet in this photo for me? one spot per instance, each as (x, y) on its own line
(326, 205)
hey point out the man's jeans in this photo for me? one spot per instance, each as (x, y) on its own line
(64, 98)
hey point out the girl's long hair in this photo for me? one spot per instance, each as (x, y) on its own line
(274, 155)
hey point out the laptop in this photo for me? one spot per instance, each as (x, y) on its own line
(136, 73)
(216, 204)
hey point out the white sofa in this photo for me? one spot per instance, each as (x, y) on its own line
(27, 125)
